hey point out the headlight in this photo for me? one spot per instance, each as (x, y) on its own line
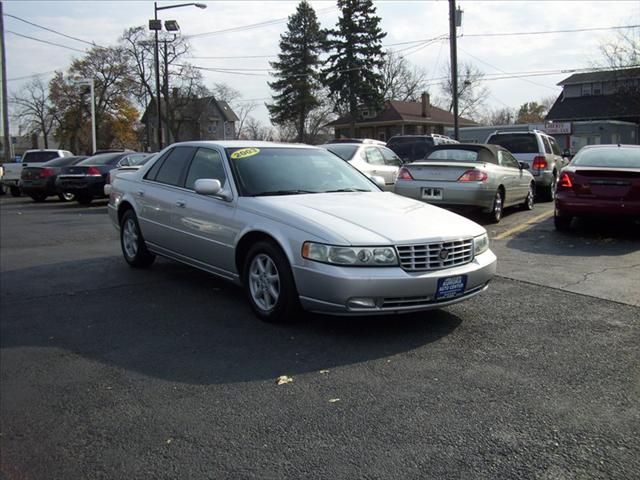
(480, 244)
(356, 256)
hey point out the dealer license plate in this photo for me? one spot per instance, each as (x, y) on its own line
(432, 193)
(450, 287)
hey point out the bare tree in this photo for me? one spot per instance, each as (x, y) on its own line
(256, 130)
(623, 51)
(242, 108)
(472, 93)
(498, 116)
(33, 108)
(401, 80)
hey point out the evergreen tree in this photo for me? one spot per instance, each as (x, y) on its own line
(353, 75)
(296, 70)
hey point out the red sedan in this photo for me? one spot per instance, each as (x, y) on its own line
(601, 180)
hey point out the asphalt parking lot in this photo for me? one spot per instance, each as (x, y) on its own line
(109, 372)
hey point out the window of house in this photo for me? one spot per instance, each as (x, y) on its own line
(382, 136)
(586, 89)
(597, 89)
(212, 127)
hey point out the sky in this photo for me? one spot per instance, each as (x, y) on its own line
(211, 33)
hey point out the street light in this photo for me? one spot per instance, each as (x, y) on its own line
(156, 26)
(84, 82)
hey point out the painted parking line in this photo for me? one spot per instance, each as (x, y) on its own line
(523, 226)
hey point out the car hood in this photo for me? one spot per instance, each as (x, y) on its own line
(365, 218)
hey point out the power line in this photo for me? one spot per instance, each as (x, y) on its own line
(93, 44)
(46, 41)
(30, 76)
(544, 32)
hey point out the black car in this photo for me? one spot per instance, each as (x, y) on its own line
(415, 147)
(86, 180)
(39, 182)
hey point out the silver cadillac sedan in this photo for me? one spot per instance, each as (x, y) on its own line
(299, 228)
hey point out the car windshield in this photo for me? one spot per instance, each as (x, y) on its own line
(453, 155)
(103, 159)
(614, 157)
(345, 152)
(290, 171)
(36, 157)
(516, 142)
(139, 159)
(62, 161)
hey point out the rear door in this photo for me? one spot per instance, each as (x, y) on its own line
(158, 194)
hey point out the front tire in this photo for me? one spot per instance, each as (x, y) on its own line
(529, 202)
(134, 249)
(269, 284)
(496, 210)
(15, 191)
(66, 197)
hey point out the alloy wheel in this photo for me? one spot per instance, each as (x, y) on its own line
(130, 238)
(264, 282)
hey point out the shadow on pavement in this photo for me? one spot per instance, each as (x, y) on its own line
(586, 238)
(179, 324)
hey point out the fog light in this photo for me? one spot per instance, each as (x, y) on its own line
(361, 302)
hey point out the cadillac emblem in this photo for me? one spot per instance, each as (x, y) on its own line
(444, 253)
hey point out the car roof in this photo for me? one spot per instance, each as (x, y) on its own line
(468, 146)
(611, 145)
(44, 150)
(240, 144)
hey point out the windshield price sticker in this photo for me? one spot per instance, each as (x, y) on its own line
(244, 153)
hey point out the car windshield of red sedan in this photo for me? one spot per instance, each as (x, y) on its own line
(614, 157)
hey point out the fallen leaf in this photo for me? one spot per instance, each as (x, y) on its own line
(324, 371)
(334, 400)
(283, 379)
(169, 441)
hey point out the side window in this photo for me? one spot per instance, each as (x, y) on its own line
(505, 159)
(547, 147)
(374, 157)
(554, 147)
(173, 168)
(390, 158)
(206, 164)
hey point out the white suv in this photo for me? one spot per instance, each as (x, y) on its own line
(538, 150)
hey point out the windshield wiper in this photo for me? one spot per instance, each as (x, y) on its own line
(350, 189)
(282, 192)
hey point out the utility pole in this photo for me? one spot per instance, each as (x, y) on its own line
(454, 66)
(157, 65)
(167, 134)
(6, 142)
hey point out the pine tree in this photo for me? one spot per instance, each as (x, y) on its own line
(297, 70)
(353, 75)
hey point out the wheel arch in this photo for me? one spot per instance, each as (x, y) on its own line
(122, 208)
(248, 238)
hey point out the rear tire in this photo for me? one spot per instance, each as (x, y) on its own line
(269, 284)
(497, 209)
(561, 222)
(66, 197)
(38, 197)
(529, 202)
(134, 249)
(84, 199)
(549, 192)
(15, 191)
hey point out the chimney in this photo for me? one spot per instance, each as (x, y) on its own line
(426, 105)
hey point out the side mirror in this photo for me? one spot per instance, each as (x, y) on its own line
(208, 186)
(524, 165)
(379, 181)
(566, 153)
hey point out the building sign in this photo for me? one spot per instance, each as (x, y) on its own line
(563, 128)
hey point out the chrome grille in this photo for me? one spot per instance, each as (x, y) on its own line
(427, 256)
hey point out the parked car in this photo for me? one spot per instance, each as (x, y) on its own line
(13, 171)
(298, 227)
(370, 141)
(601, 180)
(470, 175)
(130, 163)
(39, 182)
(372, 160)
(415, 147)
(86, 180)
(538, 150)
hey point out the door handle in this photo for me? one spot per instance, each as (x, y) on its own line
(140, 193)
(180, 203)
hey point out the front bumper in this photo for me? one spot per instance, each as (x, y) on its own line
(463, 194)
(328, 288)
(93, 186)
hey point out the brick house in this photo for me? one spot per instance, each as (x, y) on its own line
(397, 118)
